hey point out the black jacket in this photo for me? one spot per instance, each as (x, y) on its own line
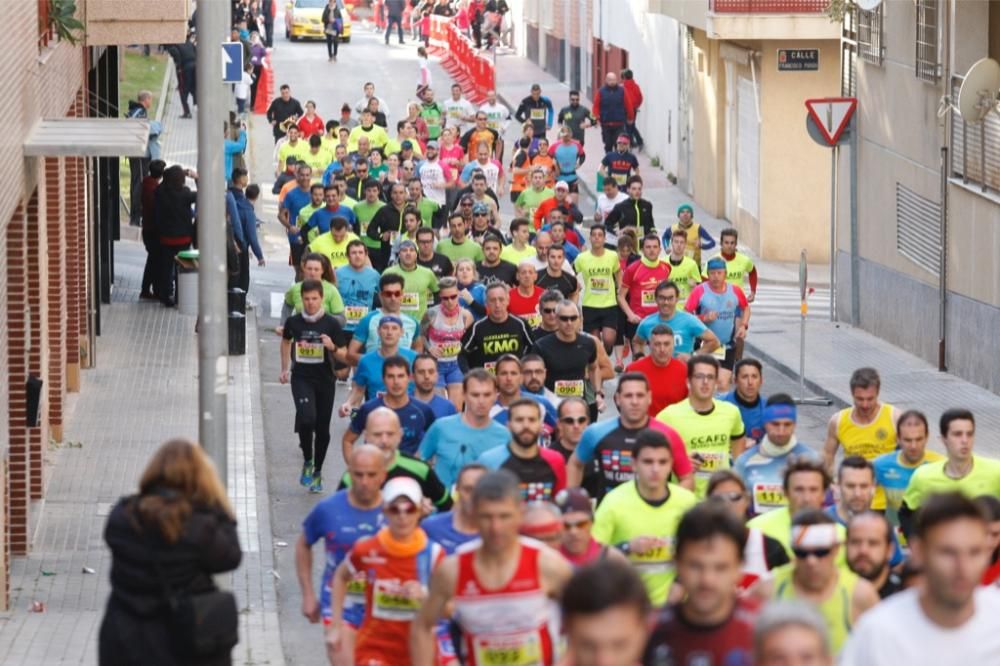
(631, 213)
(174, 218)
(135, 629)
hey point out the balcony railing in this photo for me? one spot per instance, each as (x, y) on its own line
(768, 6)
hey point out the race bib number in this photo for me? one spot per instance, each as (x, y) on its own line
(389, 602)
(538, 114)
(768, 496)
(648, 298)
(569, 388)
(720, 353)
(512, 650)
(710, 461)
(448, 351)
(619, 178)
(653, 555)
(411, 301)
(356, 591)
(600, 284)
(308, 352)
(490, 367)
(534, 320)
(354, 313)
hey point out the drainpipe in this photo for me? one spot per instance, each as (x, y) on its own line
(946, 74)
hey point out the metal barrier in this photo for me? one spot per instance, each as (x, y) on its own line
(472, 70)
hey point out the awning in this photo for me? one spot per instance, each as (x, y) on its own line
(88, 137)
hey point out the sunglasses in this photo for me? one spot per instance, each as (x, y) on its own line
(450, 298)
(819, 553)
(573, 420)
(548, 310)
(730, 497)
(568, 318)
(576, 524)
(392, 294)
(466, 203)
(401, 510)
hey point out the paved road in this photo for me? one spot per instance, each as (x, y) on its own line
(305, 68)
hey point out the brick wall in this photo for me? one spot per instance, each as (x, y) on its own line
(42, 307)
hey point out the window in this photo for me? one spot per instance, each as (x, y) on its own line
(927, 65)
(870, 37)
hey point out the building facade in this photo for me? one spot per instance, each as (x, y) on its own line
(58, 220)
(928, 180)
(745, 69)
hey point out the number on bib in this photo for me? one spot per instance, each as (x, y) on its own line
(569, 388)
(514, 650)
(648, 298)
(389, 603)
(411, 301)
(600, 284)
(354, 313)
(768, 496)
(308, 352)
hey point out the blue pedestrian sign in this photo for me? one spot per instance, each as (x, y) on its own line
(232, 62)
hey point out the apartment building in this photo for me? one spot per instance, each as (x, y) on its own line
(928, 180)
(62, 136)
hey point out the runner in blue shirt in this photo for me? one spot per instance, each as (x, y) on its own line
(415, 417)
(762, 466)
(319, 221)
(748, 373)
(366, 331)
(454, 528)
(357, 283)
(454, 441)
(340, 520)
(425, 378)
(686, 327)
(569, 156)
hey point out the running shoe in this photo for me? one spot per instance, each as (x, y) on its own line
(316, 485)
(307, 474)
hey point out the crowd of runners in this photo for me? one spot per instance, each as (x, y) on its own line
(499, 507)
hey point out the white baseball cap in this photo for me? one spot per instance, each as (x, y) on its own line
(401, 486)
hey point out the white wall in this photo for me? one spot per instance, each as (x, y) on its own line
(652, 42)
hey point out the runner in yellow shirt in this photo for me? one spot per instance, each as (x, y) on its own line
(333, 244)
(294, 146)
(599, 271)
(712, 429)
(640, 517)
(961, 471)
(867, 429)
(684, 271)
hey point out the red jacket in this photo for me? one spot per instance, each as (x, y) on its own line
(633, 93)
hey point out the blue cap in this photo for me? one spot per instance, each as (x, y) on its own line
(390, 319)
(715, 263)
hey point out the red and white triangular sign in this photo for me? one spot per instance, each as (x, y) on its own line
(831, 115)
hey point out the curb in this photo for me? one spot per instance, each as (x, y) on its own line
(783, 368)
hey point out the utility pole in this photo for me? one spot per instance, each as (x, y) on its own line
(213, 361)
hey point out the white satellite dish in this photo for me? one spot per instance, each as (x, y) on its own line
(868, 5)
(978, 94)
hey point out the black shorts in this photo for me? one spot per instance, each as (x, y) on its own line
(629, 328)
(574, 186)
(595, 318)
(514, 196)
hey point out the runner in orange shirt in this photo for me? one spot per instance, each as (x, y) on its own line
(396, 563)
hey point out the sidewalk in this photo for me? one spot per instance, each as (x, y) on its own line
(833, 350)
(143, 392)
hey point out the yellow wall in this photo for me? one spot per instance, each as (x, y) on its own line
(795, 172)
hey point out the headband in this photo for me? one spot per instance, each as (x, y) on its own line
(779, 411)
(809, 537)
(542, 531)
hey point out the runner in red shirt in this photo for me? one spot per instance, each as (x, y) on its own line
(397, 563)
(637, 297)
(501, 591)
(524, 297)
(713, 625)
(667, 375)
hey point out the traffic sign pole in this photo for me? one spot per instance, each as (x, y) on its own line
(834, 186)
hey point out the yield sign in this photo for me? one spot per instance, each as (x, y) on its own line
(831, 115)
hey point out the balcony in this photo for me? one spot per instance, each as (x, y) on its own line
(752, 19)
(123, 22)
(768, 6)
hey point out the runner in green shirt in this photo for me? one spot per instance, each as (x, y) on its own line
(315, 203)
(420, 283)
(314, 268)
(712, 429)
(428, 209)
(532, 197)
(641, 517)
(458, 245)
(365, 211)
(432, 113)
(961, 471)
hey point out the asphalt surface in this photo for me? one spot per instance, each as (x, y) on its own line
(304, 66)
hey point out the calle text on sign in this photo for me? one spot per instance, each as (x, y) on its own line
(798, 60)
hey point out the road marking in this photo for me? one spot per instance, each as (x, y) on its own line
(277, 300)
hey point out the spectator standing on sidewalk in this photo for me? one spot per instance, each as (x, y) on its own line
(175, 534)
(612, 108)
(185, 56)
(281, 109)
(174, 225)
(634, 94)
(149, 234)
(139, 166)
(394, 14)
(245, 229)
